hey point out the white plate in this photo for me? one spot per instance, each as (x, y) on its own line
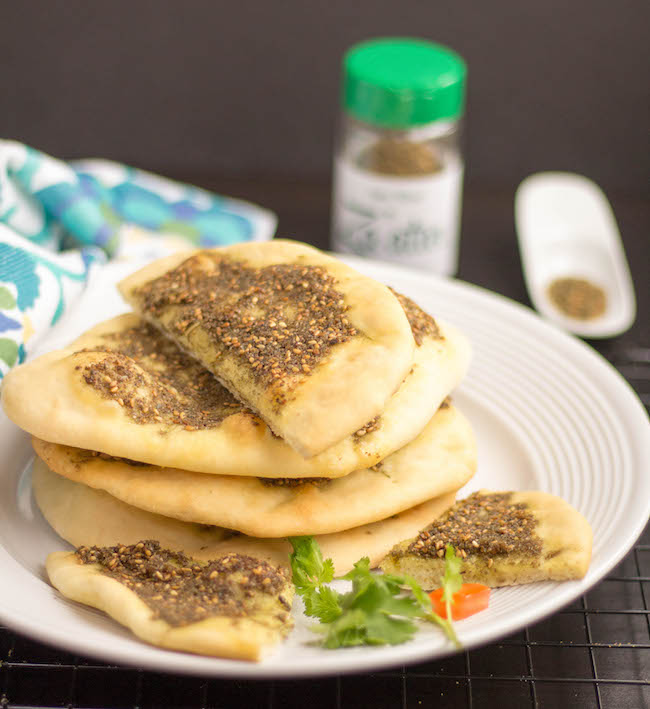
(549, 413)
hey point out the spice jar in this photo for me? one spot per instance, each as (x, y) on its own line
(398, 167)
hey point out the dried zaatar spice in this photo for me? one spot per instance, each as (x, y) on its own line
(280, 320)
(373, 425)
(294, 482)
(182, 591)
(578, 298)
(84, 455)
(422, 324)
(156, 382)
(400, 157)
(486, 524)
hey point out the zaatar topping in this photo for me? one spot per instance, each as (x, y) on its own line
(181, 590)
(280, 320)
(482, 524)
(379, 468)
(375, 423)
(294, 482)
(89, 455)
(422, 324)
(371, 426)
(156, 382)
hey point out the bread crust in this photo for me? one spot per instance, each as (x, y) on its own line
(310, 410)
(566, 541)
(440, 460)
(240, 638)
(75, 414)
(83, 516)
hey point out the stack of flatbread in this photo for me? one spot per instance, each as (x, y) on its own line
(256, 392)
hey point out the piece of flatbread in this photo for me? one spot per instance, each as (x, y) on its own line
(84, 516)
(178, 415)
(440, 460)
(504, 539)
(233, 606)
(311, 345)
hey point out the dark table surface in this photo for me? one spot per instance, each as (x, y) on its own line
(594, 653)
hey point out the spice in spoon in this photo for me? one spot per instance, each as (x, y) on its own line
(577, 297)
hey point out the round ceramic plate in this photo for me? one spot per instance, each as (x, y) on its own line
(548, 413)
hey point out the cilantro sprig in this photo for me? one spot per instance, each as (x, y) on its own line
(375, 611)
(452, 580)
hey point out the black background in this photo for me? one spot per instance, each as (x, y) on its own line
(250, 88)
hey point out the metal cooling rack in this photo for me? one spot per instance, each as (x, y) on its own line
(593, 654)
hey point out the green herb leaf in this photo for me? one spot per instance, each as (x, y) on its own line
(309, 573)
(325, 605)
(307, 565)
(452, 579)
(384, 629)
(375, 611)
(346, 631)
(420, 595)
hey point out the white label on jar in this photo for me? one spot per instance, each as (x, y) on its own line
(410, 220)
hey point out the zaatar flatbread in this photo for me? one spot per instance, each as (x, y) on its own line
(440, 460)
(233, 606)
(126, 390)
(84, 516)
(312, 346)
(504, 539)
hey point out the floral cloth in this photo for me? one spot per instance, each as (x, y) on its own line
(59, 222)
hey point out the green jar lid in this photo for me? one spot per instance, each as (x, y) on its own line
(401, 82)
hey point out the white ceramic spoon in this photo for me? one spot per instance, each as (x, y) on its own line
(566, 229)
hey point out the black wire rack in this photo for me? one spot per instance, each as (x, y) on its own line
(594, 653)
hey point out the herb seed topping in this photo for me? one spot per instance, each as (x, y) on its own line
(294, 482)
(371, 426)
(422, 324)
(181, 590)
(482, 524)
(156, 382)
(280, 320)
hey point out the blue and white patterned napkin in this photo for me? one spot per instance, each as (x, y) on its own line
(59, 222)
